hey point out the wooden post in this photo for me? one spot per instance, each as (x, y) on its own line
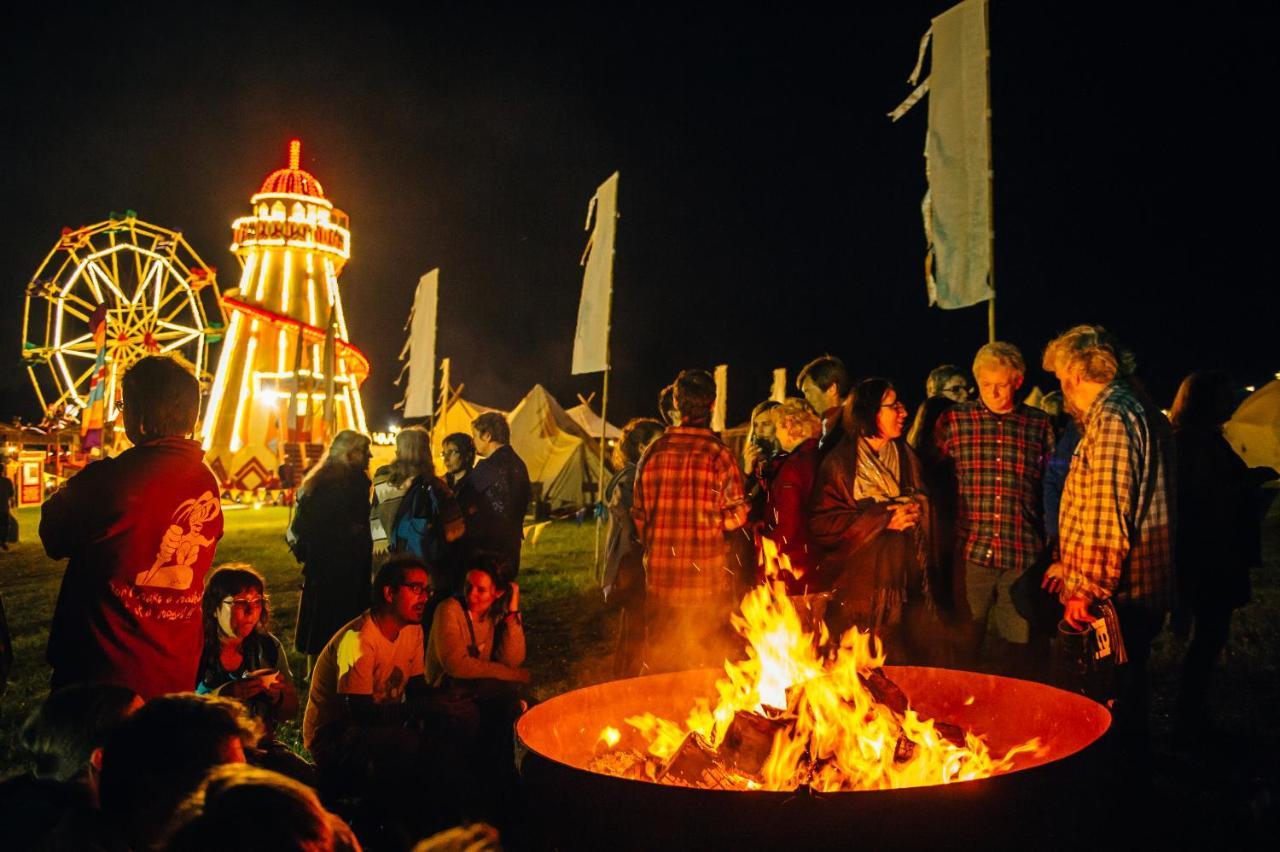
(991, 191)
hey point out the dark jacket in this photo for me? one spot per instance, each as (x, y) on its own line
(500, 495)
(333, 526)
(871, 570)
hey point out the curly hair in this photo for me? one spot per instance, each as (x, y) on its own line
(636, 435)
(1091, 350)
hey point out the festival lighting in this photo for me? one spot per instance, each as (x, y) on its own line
(149, 283)
(292, 240)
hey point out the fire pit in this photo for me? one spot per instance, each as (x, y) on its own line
(810, 740)
(1042, 791)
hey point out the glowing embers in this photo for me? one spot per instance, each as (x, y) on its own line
(801, 712)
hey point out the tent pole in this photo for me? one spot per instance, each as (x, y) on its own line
(604, 440)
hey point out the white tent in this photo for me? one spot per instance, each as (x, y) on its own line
(591, 422)
(557, 451)
(456, 417)
(1254, 430)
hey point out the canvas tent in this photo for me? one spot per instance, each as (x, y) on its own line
(591, 422)
(1254, 430)
(456, 417)
(558, 452)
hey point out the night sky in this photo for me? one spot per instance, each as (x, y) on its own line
(770, 210)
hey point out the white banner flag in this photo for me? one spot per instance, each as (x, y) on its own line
(718, 413)
(420, 395)
(957, 207)
(591, 340)
(779, 391)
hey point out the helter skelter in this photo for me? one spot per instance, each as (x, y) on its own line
(288, 377)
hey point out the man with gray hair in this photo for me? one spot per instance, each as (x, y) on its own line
(999, 448)
(1116, 525)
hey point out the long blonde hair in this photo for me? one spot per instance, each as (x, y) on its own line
(345, 445)
(413, 456)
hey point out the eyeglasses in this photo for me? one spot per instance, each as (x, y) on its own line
(422, 590)
(244, 604)
(899, 405)
(447, 453)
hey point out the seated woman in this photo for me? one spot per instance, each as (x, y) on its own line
(476, 651)
(870, 519)
(242, 659)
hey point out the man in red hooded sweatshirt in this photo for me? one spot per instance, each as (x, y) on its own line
(140, 530)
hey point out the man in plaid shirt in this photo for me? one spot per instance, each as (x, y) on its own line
(999, 449)
(688, 494)
(1115, 527)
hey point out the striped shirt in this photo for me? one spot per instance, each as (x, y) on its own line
(999, 463)
(1116, 523)
(687, 487)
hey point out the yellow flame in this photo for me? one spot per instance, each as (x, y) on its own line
(610, 736)
(839, 737)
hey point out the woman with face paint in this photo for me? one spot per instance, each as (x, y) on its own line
(242, 659)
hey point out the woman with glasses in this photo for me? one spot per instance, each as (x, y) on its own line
(242, 659)
(870, 519)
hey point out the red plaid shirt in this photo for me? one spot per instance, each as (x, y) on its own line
(1000, 461)
(688, 487)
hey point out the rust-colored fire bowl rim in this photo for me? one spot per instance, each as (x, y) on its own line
(1007, 712)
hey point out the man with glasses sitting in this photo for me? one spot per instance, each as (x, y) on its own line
(372, 723)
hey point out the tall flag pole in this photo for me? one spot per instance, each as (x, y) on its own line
(957, 208)
(591, 339)
(419, 353)
(94, 415)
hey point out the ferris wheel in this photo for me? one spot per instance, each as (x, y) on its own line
(140, 287)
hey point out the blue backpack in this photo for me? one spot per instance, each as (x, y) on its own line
(417, 528)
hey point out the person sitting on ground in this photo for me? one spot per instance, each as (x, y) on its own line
(371, 723)
(479, 635)
(824, 382)
(500, 482)
(787, 510)
(61, 742)
(262, 810)
(623, 578)
(948, 381)
(140, 530)
(476, 652)
(159, 756)
(244, 660)
(870, 520)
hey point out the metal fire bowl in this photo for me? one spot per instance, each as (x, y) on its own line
(1035, 803)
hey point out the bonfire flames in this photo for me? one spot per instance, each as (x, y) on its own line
(792, 715)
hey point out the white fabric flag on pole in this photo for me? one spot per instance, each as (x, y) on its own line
(957, 207)
(420, 395)
(779, 391)
(591, 340)
(719, 411)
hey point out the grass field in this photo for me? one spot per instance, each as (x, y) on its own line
(1224, 783)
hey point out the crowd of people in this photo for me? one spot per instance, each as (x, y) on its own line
(168, 686)
(970, 536)
(975, 538)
